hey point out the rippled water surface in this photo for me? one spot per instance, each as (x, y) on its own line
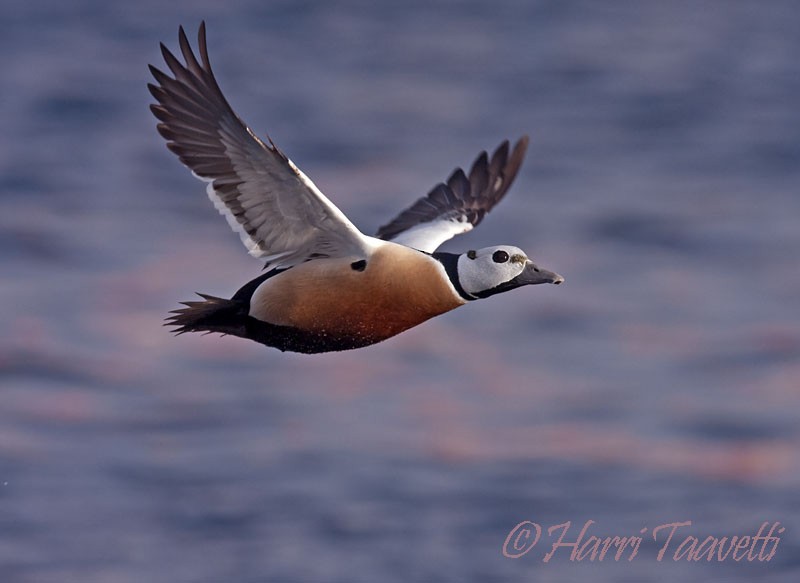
(659, 384)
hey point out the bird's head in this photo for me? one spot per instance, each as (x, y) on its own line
(493, 270)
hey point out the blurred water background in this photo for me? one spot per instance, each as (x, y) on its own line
(660, 383)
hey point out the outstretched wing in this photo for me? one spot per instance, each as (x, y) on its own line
(458, 205)
(281, 216)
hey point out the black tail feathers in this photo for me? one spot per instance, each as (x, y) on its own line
(232, 317)
(210, 315)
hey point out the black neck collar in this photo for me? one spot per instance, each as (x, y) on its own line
(450, 263)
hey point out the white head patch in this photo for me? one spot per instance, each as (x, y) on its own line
(487, 268)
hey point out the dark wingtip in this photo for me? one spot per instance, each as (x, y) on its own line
(183, 41)
(164, 50)
(501, 152)
(201, 43)
(521, 146)
(154, 90)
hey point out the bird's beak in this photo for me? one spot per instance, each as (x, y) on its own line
(533, 274)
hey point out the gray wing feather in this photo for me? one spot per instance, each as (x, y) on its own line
(281, 216)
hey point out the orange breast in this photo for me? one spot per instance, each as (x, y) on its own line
(398, 289)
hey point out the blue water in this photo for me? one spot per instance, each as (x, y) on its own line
(660, 383)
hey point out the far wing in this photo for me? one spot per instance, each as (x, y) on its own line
(458, 205)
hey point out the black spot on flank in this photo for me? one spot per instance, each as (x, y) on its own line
(359, 265)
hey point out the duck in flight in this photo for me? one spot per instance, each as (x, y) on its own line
(326, 285)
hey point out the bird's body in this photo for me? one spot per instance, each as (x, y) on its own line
(396, 289)
(328, 286)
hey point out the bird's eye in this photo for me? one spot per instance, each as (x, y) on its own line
(472, 254)
(500, 256)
